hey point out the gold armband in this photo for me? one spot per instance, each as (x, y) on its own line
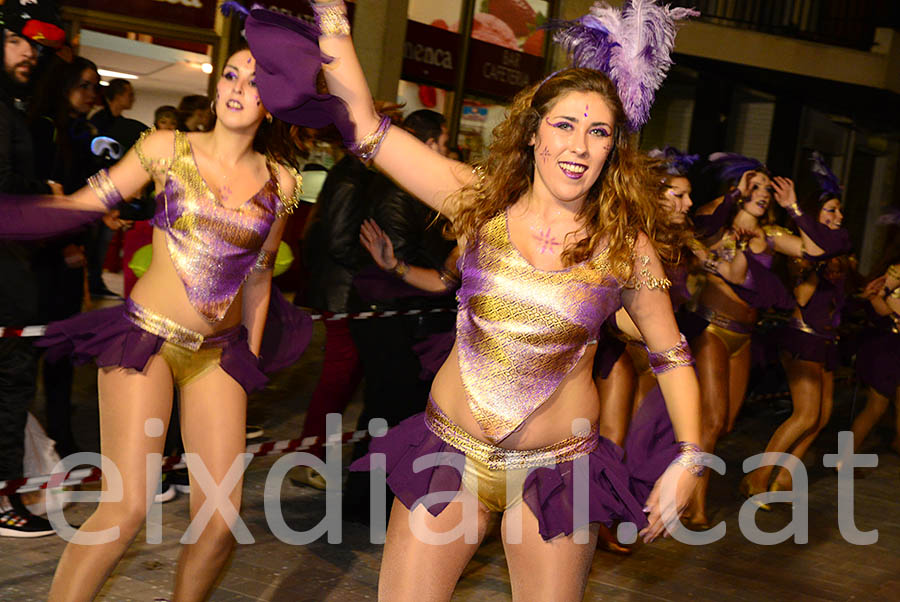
(103, 187)
(265, 260)
(331, 17)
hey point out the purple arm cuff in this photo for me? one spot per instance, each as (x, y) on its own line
(833, 242)
(674, 357)
(708, 225)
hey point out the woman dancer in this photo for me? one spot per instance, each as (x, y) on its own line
(552, 226)
(621, 370)
(878, 359)
(195, 319)
(741, 246)
(808, 345)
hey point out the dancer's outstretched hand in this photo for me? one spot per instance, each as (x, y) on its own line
(784, 191)
(667, 501)
(378, 244)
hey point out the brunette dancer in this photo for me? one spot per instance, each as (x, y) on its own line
(550, 248)
(195, 319)
(742, 244)
(809, 345)
(878, 358)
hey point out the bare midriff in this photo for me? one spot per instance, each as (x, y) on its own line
(575, 397)
(161, 290)
(719, 297)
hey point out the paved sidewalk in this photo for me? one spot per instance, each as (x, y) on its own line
(827, 568)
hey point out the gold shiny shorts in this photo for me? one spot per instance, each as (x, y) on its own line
(496, 475)
(188, 354)
(734, 335)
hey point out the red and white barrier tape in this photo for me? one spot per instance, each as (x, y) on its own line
(86, 475)
(37, 331)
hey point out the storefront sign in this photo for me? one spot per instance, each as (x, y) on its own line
(196, 13)
(430, 54)
(500, 72)
(296, 8)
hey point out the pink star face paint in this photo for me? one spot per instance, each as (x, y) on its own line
(546, 240)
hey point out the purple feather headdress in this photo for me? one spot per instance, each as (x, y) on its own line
(731, 166)
(632, 46)
(828, 182)
(678, 163)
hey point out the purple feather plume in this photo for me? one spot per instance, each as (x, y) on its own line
(828, 182)
(632, 46)
(234, 8)
(731, 166)
(678, 163)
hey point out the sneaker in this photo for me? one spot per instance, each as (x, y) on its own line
(17, 521)
(180, 480)
(166, 491)
(254, 431)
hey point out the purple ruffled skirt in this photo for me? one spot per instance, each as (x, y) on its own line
(615, 493)
(809, 347)
(110, 338)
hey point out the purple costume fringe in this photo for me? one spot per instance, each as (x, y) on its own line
(109, 338)
(618, 486)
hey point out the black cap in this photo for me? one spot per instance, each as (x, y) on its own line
(36, 20)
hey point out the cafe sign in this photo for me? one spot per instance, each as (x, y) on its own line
(196, 13)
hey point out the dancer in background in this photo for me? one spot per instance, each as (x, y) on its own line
(808, 344)
(736, 229)
(878, 358)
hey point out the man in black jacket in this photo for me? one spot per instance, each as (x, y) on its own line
(393, 387)
(25, 29)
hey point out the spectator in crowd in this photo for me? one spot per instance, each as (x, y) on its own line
(62, 139)
(194, 114)
(165, 118)
(391, 367)
(18, 288)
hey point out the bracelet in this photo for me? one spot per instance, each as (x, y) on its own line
(674, 357)
(894, 271)
(794, 209)
(265, 260)
(450, 280)
(690, 456)
(400, 270)
(103, 187)
(367, 148)
(331, 18)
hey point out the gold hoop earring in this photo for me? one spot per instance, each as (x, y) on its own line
(269, 118)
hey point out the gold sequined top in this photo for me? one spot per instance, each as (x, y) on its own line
(213, 247)
(521, 330)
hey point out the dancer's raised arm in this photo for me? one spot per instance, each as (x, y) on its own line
(423, 172)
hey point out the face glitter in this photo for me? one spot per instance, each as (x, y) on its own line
(544, 154)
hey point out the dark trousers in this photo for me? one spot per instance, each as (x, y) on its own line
(18, 373)
(61, 293)
(96, 255)
(392, 391)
